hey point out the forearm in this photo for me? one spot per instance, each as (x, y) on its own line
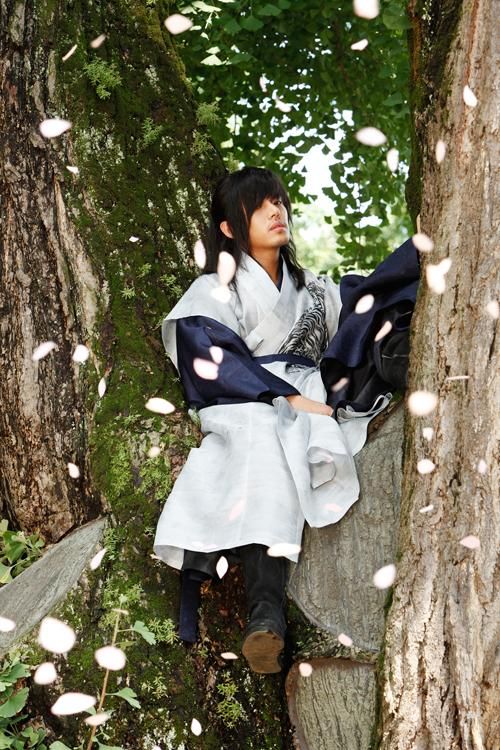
(301, 403)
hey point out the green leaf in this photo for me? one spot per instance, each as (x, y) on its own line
(144, 631)
(395, 19)
(285, 4)
(269, 10)
(5, 576)
(5, 741)
(212, 60)
(250, 23)
(14, 704)
(232, 27)
(128, 695)
(15, 673)
(57, 745)
(205, 7)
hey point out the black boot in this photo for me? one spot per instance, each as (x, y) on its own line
(265, 582)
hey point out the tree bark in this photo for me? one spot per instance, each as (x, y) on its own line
(441, 671)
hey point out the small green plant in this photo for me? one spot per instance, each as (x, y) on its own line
(144, 270)
(13, 698)
(164, 630)
(103, 76)
(201, 144)
(128, 292)
(207, 114)
(229, 709)
(170, 282)
(150, 131)
(17, 551)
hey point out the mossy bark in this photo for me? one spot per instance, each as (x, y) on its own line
(71, 274)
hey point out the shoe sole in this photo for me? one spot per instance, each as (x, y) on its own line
(262, 649)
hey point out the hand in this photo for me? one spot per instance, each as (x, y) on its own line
(301, 403)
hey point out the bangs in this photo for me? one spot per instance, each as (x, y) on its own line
(255, 186)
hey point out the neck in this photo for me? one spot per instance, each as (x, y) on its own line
(269, 260)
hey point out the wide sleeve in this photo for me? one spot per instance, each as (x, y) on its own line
(235, 378)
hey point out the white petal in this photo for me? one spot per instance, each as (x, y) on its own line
(344, 640)
(482, 466)
(133, 238)
(364, 304)
(282, 106)
(386, 328)
(435, 275)
(236, 510)
(42, 350)
(334, 507)
(200, 254)
(221, 293)
(457, 377)
(217, 354)
(101, 388)
(263, 83)
(56, 636)
(421, 403)
(282, 549)
(110, 657)
(72, 703)
(53, 127)
(222, 567)
(177, 23)
(45, 673)
(97, 559)
(339, 384)
(469, 97)
(196, 727)
(228, 655)
(73, 470)
(81, 353)
(366, 8)
(97, 719)
(392, 159)
(154, 451)
(95, 43)
(6, 624)
(70, 52)
(226, 268)
(73, 170)
(427, 433)
(370, 137)
(422, 242)
(425, 466)
(384, 577)
(493, 309)
(440, 151)
(471, 542)
(305, 669)
(205, 369)
(426, 509)
(362, 44)
(160, 406)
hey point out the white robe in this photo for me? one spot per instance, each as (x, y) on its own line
(261, 470)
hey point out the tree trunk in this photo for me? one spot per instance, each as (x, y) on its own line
(441, 669)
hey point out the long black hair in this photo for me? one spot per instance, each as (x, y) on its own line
(237, 195)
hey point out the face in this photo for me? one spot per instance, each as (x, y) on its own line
(268, 228)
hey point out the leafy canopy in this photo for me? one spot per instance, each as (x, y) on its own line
(246, 59)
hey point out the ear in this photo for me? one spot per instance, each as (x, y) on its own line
(226, 229)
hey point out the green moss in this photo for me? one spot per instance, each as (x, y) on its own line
(104, 76)
(229, 710)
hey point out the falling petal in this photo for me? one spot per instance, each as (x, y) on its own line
(426, 509)
(282, 549)
(364, 304)
(281, 105)
(427, 433)
(56, 636)
(339, 384)
(177, 23)
(133, 238)
(97, 559)
(229, 656)
(97, 719)
(51, 128)
(362, 44)
(440, 151)
(110, 657)
(236, 510)
(101, 388)
(69, 53)
(493, 309)
(96, 43)
(205, 369)
(392, 159)
(384, 577)
(263, 83)
(81, 353)
(226, 268)
(200, 254)
(222, 567)
(469, 97)
(482, 466)
(344, 640)
(471, 542)
(73, 170)
(73, 470)
(305, 669)
(72, 703)
(221, 294)
(422, 403)
(422, 242)
(217, 354)
(386, 328)
(6, 624)
(160, 406)
(42, 350)
(154, 451)
(425, 466)
(196, 727)
(45, 673)
(333, 507)
(370, 137)
(366, 8)
(457, 377)
(435, 275)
